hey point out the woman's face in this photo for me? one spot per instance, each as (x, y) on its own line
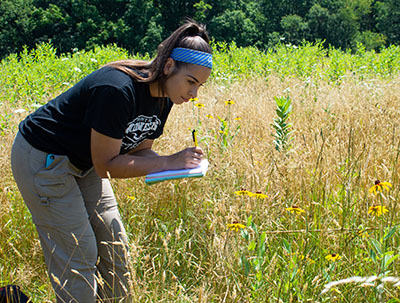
(185, 83)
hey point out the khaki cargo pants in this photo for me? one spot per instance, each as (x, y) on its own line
(79, 226)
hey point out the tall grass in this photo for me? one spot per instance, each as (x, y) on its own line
(345, 113)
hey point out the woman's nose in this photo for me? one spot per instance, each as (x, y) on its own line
(193, 93)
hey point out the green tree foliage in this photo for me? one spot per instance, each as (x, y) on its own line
(140, 25)
(388, 20)
(142, 30)
(16, 23)
(295, 28)
(234, 26)
(201, 11)
(318, 18)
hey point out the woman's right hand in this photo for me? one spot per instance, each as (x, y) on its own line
(187, 158)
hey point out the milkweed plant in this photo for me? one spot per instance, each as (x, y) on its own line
(282, 126)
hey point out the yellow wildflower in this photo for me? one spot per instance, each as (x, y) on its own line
(259, 195)
(295, 209)
(235, 226)
(377, 210)
(363, 233)
(199, 105)
(229, 102)
(210, 116)
(193, 99)
(379, 187)
(238, 118)
(333, 257)
(303, 257)
(243, 192)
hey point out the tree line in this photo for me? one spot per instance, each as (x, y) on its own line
(140, 25)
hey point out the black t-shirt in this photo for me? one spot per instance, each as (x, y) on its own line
(107, 100)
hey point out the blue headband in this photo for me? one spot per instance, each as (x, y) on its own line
(192, 56)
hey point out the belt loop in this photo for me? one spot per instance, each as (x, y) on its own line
(44, 201)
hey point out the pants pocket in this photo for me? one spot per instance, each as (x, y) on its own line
(55, 180)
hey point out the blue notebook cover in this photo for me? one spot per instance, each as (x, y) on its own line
(196, 172)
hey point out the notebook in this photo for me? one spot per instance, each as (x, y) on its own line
(199, 171)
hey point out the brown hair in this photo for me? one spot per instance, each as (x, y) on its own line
(190, 35)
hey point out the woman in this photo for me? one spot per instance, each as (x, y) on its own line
(104, 126)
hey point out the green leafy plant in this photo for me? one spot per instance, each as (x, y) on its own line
(281, 124)
(254, 257)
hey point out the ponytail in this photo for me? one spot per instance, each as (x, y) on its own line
(190, 35)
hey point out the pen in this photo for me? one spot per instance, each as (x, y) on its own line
(194, 137)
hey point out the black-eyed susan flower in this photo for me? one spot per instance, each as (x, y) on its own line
(131, 197)
(333, 257)
(210, 116)
(377, 210)
(238, 118)
(199, 105)
(295, 209)
(259, 195)
(236, 226)
(379, 187)
(243, 192)
(229, 102)
(193, 99)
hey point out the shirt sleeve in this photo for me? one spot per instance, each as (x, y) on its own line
(109, 111)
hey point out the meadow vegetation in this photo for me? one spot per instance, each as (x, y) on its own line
(264, 224)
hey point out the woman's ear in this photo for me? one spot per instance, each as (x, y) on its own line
(169, 66)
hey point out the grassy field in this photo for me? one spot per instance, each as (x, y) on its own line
(308, 228)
